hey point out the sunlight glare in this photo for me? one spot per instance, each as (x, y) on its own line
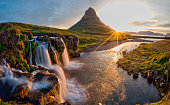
(118, 14)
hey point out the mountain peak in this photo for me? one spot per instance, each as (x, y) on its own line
(91, 23)
(89, 14)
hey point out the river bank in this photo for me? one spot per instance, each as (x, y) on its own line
(109, 45)
(151, 60)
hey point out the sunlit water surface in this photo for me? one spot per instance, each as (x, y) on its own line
(101, 81)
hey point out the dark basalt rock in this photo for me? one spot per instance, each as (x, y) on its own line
(26, 93)
(20, 93)
(71, 42)
(129, 72)
(150, 76)
(45, 95)
(135, 74)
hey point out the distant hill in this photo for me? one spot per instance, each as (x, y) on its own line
(149, 33)
(143, 33)
(90, 23)
(33, 28)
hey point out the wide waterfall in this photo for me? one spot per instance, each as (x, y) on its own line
(43, 59)
(65, 57)
(30, 54)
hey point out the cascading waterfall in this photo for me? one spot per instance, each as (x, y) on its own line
(30, 54)
(9, 78)
(43, 59)
(42, 55)
(55, 53)
(65, 57)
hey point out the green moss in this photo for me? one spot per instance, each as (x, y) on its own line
(34, 47)
(2, 47)
(3, 103)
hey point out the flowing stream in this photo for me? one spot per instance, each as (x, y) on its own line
(107, 84)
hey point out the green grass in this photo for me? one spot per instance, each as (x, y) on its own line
(153, 56)
(86, 39)
(33, 28)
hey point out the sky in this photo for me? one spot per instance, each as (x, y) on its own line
(121, 15)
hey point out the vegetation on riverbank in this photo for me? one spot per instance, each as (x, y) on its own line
(154, 56)
(152, 61)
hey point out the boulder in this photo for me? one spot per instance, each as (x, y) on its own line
(21, 92)
(144, 75)
(129, 72)
(48, 94)
(150, 75)
(135, 74)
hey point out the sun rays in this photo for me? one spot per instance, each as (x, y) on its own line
(115, 36)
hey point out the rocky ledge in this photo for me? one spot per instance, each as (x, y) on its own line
(40, 87)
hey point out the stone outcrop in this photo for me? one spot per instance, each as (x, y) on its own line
(71, 42)
(31, 91)
(10, 38)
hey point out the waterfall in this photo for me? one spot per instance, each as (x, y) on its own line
(30, 54)
(55, 53)
(43, 59)
(65, 57)
(9, 78)
(42, 55)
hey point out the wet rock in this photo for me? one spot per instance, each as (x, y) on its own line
(46, 94)
(162, 85)
(162, 94)
(124, 52)
(144, 75)
(135, 74)
(155, 74)
(65, 103)
(21, 92)
(150, 75)
(129, 72)
(19, 74)
(75, 54)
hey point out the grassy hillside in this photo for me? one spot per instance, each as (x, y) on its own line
(89, 28)
(33, 28)
(92, 37)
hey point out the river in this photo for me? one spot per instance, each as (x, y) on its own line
(101, 81)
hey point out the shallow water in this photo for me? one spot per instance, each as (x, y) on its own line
(107, 84)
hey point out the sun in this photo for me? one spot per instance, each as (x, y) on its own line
(119, 14)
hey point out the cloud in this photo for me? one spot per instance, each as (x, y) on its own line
(164, 25)
(143, 23)
(150, 24)
(162, 30)
(46, 12)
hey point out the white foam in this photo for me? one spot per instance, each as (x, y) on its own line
(76, 92)
(40, 85)
(74, 65)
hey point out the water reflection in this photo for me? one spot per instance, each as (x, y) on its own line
(110, 85)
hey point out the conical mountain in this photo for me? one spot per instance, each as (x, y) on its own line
(90, 23)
